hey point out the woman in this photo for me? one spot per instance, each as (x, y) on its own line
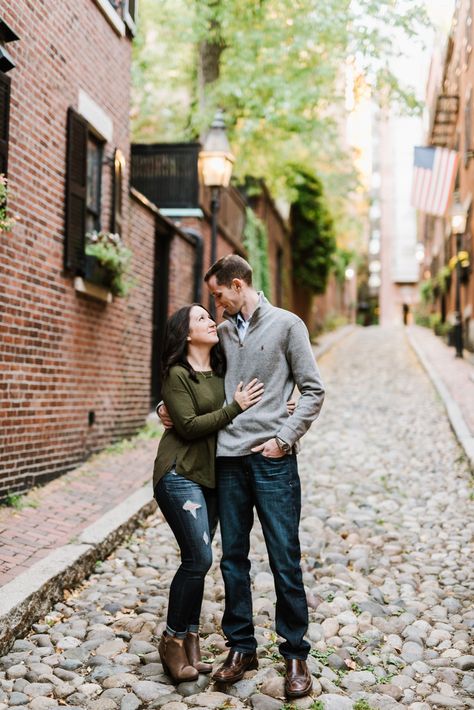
(184, 473)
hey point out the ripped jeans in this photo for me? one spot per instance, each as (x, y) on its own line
(191, 512)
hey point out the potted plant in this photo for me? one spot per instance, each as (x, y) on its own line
(6, 222)
(107, 261)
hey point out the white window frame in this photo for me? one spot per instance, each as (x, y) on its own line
(129, 20)
(112, 16)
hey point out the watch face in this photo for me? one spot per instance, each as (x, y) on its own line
(283, 445)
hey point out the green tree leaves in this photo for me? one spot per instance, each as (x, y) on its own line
(312, 233)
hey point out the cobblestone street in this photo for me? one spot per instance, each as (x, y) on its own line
(386, 533)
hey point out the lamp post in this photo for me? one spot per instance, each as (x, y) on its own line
(458, 227)
(215, 168)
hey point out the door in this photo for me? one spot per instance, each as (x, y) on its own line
(160, 307)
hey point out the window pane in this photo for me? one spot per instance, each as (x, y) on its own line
(132, 9)
(94, 171)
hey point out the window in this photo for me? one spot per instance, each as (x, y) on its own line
(84, 175)
(4, 120)
(94, 180)
(127, 9)
(130, 12)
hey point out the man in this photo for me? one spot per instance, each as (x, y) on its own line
(257, 467)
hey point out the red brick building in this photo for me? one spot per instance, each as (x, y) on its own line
(75, 369)
(450, 102)
(80, 368)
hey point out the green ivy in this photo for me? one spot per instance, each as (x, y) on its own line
(256, 243)
(426, 291)
(443, 279)
(312, 233)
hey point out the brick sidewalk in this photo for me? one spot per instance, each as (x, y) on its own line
(58, 512)
(456, 374)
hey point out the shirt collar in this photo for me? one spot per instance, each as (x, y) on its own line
(261, 301)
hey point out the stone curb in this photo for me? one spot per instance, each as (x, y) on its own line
(29, 596)
(456, 419)
(333, 339)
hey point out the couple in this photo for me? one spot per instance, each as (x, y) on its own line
(203, 367)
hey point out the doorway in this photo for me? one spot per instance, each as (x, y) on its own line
(160, 307)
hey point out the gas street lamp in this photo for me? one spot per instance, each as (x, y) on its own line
(458, 227)
(215, 168)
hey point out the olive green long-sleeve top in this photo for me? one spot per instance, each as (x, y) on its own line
(197, 413)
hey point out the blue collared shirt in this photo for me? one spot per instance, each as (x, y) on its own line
(242, 326)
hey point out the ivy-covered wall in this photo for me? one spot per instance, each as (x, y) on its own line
(256, 244)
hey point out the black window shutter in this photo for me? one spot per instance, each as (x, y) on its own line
(4, 120)
(76, 192)
(117, 193)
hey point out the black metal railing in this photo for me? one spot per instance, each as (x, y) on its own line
(167, 173)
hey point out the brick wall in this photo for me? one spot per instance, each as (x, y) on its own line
(224, 247)
(64, 355)
(279, 248)
(181, 274)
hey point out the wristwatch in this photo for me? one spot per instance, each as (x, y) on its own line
(282, 445)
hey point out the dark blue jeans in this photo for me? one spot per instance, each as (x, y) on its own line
(191, 512)
(272, 486)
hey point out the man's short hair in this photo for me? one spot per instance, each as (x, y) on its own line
(228, 268)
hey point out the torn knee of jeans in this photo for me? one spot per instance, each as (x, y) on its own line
(191, 507)
(205, 537)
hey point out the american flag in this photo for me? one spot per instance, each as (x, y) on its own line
(433, 179)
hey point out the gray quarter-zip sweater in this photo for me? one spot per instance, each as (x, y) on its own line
(277, 350)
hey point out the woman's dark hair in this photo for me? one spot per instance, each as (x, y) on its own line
(176, 345)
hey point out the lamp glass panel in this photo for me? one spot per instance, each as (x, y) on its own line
(213, 170)
(228, 173)
(458, 223)
(216, 169)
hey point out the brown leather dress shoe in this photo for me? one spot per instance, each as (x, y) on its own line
(298, 680)
(234, 667)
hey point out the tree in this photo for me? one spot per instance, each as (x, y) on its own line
(312, 233)
(276, 67)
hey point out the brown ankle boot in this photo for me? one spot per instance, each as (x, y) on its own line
(193, 652)
(174, 659)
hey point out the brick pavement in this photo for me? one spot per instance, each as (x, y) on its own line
(456, 374)
(55, 514)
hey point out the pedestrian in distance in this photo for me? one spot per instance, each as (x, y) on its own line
(184, 472)
(257, 468)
